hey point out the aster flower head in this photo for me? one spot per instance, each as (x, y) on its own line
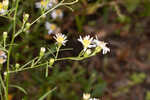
(86, 42)
(52, 28)
(3, 57)
(57, 14)
(4, 6)
(102, 45)
(60, 38)
(93, 99)
(46, 4)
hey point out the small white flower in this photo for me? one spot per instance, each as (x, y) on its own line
(93, 99)
(101, 44)
(86, 42)
(52, 28)
(46, 4)
(3, 57)
(60, 38)
(86, 96)
(4, 6)
(57, 14)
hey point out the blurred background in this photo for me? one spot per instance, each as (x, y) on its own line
(122, 74)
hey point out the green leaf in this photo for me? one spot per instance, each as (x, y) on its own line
(148, 95)
(19, 88)
(131, 5)
(47, 93)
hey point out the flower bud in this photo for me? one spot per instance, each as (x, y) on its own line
(17, 66)
(97, 50)
(86, 96)
(25, 17)
(87, 53)
(42, 51)
(5, 73)
(51, 61)
(5, 35)
(27, 26)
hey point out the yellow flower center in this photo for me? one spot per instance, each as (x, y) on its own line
(1, 6)
(58, 11)
(43, 3)
(86, 43)
(52, 27)
(1, 60)
(60, 39)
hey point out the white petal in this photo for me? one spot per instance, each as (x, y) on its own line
(50, 32)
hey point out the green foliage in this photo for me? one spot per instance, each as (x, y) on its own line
(138, 78)
(69, 82)
(147, 95)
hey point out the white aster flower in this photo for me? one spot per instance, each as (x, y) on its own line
(46, 4)
(4, 6)
(3, 57)
(86, 42)
(52, 28)
(57, 14)
(60, 38)
(102, 45)
(93, 99)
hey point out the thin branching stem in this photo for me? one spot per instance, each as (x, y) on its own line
(10, 48)
(27, 68)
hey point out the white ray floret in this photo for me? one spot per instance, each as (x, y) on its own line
(61, 39)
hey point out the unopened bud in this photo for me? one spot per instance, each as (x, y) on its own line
(42, 51)
(25, 17)
(87, 53)
(97, 50)
(86, 96)
(27, 26)
(51, 61)
(5, 73)
(5, 35)
(17, 65)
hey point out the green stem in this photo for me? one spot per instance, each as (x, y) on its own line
(57, 51)
(19, 70)
(4, 43)
(60, 4)
(81, 53)
(46, 13)
(2, 84)
(10, 48)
